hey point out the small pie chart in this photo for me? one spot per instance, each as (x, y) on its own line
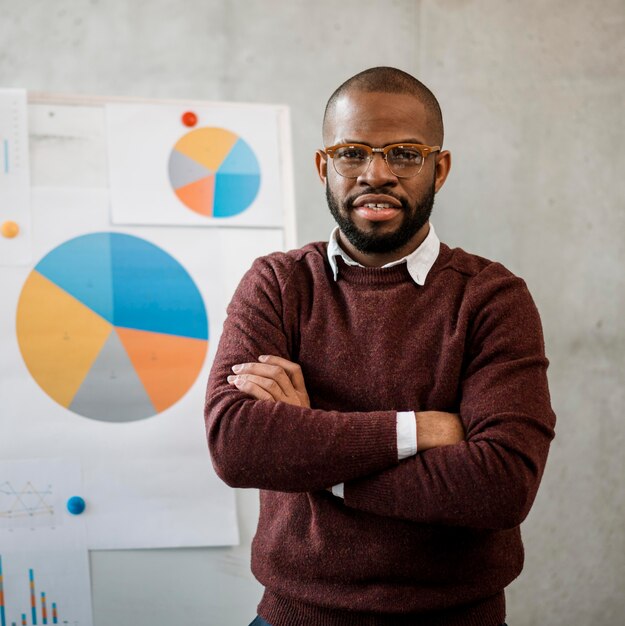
(112, 327)
(214, 172)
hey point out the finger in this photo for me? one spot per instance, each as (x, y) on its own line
(251, 387)
(268, 384)
(265, 370)
(293, 370)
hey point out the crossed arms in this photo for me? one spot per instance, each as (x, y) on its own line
(263, 433)
(276, 379)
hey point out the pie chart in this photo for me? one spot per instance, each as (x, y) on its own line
(112, 327)
(214, 172)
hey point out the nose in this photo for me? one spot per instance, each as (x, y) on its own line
(377, 174)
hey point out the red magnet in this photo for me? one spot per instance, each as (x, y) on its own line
(189, 118)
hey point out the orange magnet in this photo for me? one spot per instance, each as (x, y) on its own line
(189, 118)
(9, 229)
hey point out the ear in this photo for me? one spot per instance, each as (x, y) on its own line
(443, 165)
(321, 162)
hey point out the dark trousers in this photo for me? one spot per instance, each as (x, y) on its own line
(259, 621)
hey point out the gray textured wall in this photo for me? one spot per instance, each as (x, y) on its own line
(532, 95)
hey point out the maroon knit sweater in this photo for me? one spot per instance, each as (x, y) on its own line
(430, 540)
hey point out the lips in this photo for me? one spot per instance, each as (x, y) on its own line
(377, 207)
(374, 200)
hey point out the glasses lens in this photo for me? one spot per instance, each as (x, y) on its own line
(404, 161)
(351, 161)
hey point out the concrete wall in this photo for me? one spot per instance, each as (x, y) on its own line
(532, 95)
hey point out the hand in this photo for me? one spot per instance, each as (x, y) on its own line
(272, 378)
(437, 428)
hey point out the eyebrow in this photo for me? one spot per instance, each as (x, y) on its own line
(366, 143)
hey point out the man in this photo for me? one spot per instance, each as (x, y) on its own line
(386, 393)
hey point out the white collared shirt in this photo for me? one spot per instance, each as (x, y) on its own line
(419, 262)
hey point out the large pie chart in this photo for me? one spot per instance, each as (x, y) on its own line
(214, 172)
(112, 327)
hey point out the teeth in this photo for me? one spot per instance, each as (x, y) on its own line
(371, 205)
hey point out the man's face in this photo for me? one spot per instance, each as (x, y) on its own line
(375, 238)
(379, 212)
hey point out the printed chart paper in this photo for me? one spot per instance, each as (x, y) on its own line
(225, 170)
(108, 338)
(124, 333)
(44, 563)
(15, 231)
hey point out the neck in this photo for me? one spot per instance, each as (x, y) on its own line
(378, 259)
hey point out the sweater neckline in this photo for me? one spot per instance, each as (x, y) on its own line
(372, 275)
(396, 274)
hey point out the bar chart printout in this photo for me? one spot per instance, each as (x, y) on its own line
(33, 605)
(44, 562)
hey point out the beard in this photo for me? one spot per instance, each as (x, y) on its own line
(414, 218)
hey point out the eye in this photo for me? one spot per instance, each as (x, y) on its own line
(405, 156)
(351, 153)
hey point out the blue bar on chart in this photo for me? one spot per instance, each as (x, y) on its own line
(33, 601)
(55, 616)
(2, 614)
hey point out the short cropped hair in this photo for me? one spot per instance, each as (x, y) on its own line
(389, 80)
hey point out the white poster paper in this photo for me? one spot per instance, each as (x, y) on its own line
(15, 229)
(221, 168)
(108, 340)
(44, 563)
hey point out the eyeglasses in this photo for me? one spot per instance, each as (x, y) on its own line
(404, 160)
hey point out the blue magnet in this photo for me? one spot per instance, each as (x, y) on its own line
(76, 505)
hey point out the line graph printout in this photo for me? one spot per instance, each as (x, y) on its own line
(33, 499)
(26, 505)
(44, 563)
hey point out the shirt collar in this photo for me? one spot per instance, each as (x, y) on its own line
(419, 262)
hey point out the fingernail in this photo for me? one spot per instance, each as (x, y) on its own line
(231, 379)
(262, 358)
(237, 368)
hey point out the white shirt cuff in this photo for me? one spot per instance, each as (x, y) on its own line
(339, 490)
(406, 434)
